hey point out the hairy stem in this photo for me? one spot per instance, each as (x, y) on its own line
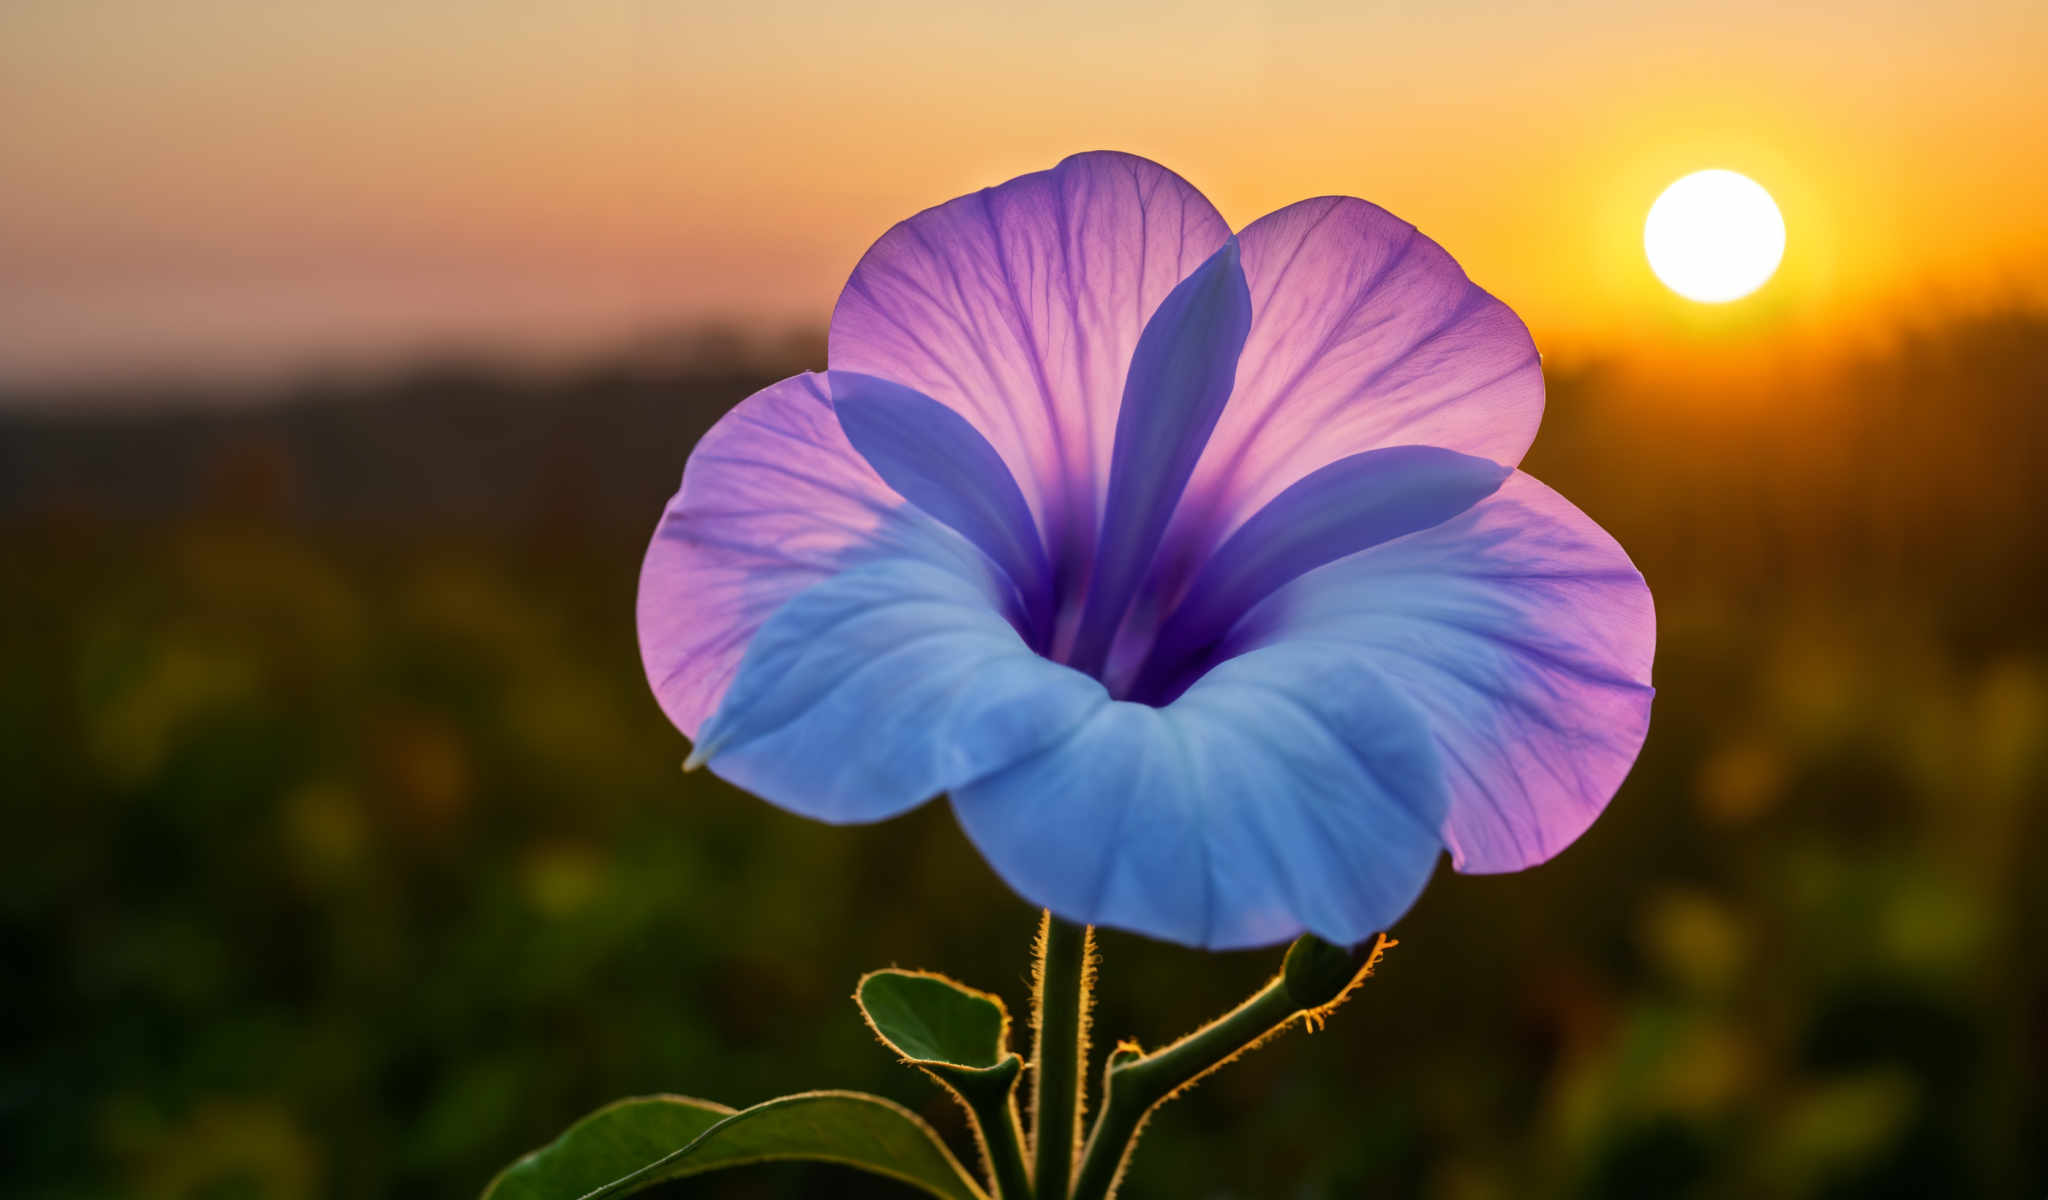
(994, 1111)
(1137, 1086)
(1315, 980)
(1059, 1017)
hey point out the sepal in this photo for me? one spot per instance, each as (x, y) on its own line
(1318, 976)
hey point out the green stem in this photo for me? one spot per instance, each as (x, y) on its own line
(1006, 1157)
(1314, 979)
(994, 1110)
(1136, 1086)
(1059, 1014)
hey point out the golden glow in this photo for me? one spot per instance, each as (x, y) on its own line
(223, 181)
(1714, 236)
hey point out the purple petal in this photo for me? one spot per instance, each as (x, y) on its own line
(932, 457)
(1179, 380)
(1524, 635)
(1351, 505)
(774, 499)
(1019, 307)
(1365, 334)
(885, 685)
(1289, 789)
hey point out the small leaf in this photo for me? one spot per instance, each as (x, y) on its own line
(634, 1144)
(929, 1018)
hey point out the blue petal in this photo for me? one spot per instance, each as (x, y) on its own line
(775, 500)
(939, 462)
(1524, 635)
(1289, 789)
(1179, 381)
(1347, 506)
(883, 686)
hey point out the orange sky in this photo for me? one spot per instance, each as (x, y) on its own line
(220, 185)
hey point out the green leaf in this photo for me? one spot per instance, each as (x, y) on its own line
(929, 1018)
(635, 1144)
(612, 1142)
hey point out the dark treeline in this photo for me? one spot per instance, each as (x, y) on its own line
(1926, 452)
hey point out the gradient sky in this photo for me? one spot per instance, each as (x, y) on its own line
(215, 186)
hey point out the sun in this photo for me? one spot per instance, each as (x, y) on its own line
(1714, 236)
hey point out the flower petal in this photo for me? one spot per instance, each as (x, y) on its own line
(935, 459)
(1019, 307)
(1348, 506)
(883, 686)
(1289, 789)
(1179, 381)
(1524, 634)
(774, 499)
(1365, 334)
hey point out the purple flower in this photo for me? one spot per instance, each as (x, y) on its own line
(1193, 567)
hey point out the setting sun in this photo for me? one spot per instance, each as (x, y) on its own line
(1714, 236)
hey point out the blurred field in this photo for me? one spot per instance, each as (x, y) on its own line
(348, 855)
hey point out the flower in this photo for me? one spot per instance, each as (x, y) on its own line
(1194, 568)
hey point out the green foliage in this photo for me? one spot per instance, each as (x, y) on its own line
(635, 1144)
(607, 1146)
(961, 1038)
(929, 1018)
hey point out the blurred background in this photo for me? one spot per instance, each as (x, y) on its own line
(348, 353)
